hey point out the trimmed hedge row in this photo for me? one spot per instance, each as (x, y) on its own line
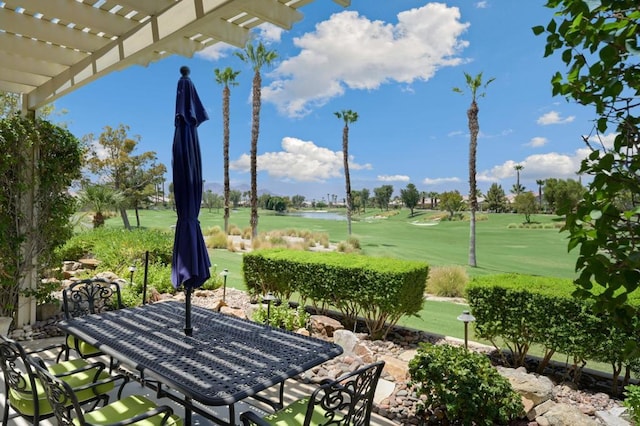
(523, 310)
(381, 290)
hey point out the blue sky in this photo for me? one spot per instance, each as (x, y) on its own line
(393, 62)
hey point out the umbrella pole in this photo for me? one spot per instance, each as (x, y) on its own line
(188, 331)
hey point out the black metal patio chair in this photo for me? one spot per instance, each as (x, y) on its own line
(24, 393)
(90, 296)
(125, 411)
(346, 401)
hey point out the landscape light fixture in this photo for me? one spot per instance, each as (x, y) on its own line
(268, 298)
(466, 317)
(132, 269)
(224, 273)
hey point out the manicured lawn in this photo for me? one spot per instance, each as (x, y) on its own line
(501, 248)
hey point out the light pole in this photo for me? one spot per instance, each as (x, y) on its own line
(466, 317)
(224, 274)
(132, 269)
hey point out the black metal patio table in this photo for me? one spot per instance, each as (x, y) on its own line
(226, 360)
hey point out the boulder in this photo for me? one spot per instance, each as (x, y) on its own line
(324, 325)
(565, 415)
(533, 387)
(346, 339)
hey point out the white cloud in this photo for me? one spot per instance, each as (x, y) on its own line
(482, 4)
(216, 51)
(349, 51)
(537, 142)
(438, 181)
(553, 117)
(301, 161)
(269, 33)
(538, 166)
(393, 178)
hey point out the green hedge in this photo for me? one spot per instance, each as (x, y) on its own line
(380, 289)
(523, 310)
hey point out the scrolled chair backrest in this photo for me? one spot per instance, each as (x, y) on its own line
(91, 296)
(59, 394)
(348, 400)
(17, 372)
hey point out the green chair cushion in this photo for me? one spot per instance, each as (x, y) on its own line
(84, 348)
(127, 408)
(294, 414)
(23, 402)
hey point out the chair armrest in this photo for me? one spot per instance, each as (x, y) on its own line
(60, 346)
(147, 414)
(98, 366)
(249, 418)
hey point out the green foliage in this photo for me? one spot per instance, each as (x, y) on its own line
(632, 402)
(451, 202)
(447, 281)
(380, 289)
(525, 203)
(282, 316)
(410, 196)
(598, 43)
(496, 199)
(464, 385)
(59, 165)
(524, 310)
(562, 195)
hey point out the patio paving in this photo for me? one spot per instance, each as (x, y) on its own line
(292, 391)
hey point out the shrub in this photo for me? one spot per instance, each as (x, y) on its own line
(632, 402)
(283, 317)
(216, 239)
(464, 385)
(447, 281)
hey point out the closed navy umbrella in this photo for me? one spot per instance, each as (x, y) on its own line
(190, 265)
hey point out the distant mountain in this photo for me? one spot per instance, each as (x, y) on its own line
(218, 188)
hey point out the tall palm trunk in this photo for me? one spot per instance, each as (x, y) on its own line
(225, 119)
(472, 115)
(255, 131)
(347, 179)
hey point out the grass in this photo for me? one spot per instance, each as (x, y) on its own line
(501, 247)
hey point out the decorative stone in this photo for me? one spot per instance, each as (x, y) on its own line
(346, 339)
(532, 386)
(233, 311)
(325, 325)
(566, 415)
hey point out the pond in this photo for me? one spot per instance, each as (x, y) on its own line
(318, 214)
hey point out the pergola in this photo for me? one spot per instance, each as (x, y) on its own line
(50, 47)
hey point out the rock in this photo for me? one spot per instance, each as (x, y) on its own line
(532, 386)
(233, 311)
(407, 356)
(346, 339)
(325, 325)
(303, 331)
(395, 367)
(610, 418)
(89, 263)
(565, 415)
(539, 410)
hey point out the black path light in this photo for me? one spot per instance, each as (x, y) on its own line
(224, 273)
(132, 270)
(466, 317)
(268, 299)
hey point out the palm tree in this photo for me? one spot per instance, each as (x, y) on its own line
(540, 182)
(473, 83)
(258, 57)
(227, 78)
(348, 117)
(99, 198)
(518, 189)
